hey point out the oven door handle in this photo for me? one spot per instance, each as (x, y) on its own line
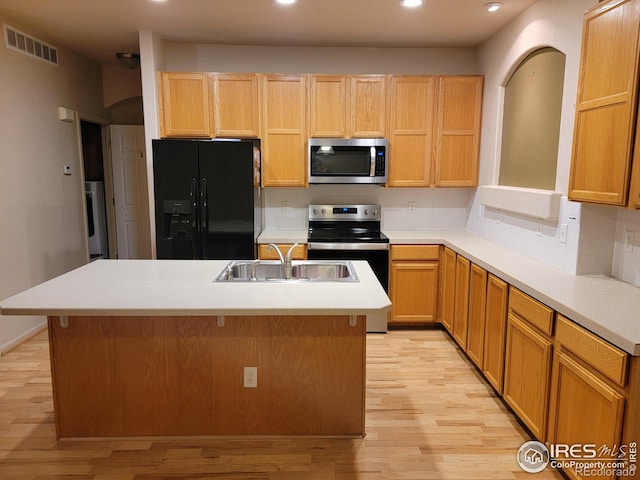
(347, 246)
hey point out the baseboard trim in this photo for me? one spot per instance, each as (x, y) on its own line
(15, 342)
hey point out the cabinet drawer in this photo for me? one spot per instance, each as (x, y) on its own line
(534, 312)
(415, 252)
(600, 354)
(299, 253)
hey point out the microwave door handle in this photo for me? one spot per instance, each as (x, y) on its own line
(372, 170)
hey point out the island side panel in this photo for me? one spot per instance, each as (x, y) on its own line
(132, 376)
(311, 376)
(144, 376)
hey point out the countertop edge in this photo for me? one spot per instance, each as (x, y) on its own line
(575, 287)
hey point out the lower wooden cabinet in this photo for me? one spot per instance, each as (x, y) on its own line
(413, 283)
(447, 288)
(495, 331)
(587, 398)
(528, 355)
(461, 303)
(476, 325)
(299, 253)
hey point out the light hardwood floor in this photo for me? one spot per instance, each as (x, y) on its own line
(429, 416)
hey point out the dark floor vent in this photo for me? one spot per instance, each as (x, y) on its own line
(28, 45)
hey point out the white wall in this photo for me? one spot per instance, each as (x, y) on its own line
(42, 231)
(237, 58)
(545, 23)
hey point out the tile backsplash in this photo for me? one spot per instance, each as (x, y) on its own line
(595, 238)
(402, 209)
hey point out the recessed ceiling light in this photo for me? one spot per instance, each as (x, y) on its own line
(286, 2)
(411, 3)
(493, 6)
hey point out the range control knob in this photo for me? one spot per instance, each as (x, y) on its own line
(366, 212)
(374, 211)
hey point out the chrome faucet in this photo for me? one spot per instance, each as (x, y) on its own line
(287, 270)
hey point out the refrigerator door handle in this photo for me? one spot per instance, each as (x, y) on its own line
(204, 217)
(194, 217)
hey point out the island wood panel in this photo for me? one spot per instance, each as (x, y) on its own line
(141, 376)
(310, 376)
(121, 376)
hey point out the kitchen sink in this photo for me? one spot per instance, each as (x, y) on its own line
(301, 271)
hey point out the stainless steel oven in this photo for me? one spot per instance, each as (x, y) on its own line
(351, 232)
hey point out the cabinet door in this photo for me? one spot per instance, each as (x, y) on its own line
(448, 292)
(328, 105)
(236, 105)
(458, 131)
(477, 302)
(414, 291)
(299, 253)
(367, 106)
(461, 301)
(527, 374)
(606, 103)
(583, 408)
(495, 331)
(284, 137)
(412, 100)
(185, 105)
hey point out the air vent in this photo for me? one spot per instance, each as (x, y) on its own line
(28, 45)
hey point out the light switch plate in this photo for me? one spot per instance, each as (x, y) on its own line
(629, 240)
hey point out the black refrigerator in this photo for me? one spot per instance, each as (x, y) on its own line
(207, 199)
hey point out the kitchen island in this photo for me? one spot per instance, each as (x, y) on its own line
(157, 348)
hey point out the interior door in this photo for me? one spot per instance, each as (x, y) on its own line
(130, 191)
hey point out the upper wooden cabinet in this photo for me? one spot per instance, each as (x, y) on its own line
(434, 128)
(328, 105)
(457, 137)
(236, 105)
(347, 105)
(284, 135)
(185, 104)
(411, 114)
(606, 105)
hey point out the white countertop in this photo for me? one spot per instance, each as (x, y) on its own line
(608, 307)
(186, 287)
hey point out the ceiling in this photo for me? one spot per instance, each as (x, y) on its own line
(98, 29)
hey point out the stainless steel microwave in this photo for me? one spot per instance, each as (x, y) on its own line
(348, 160)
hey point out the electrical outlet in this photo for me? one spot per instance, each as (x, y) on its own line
(411, 206)
(251, 377)
(629, 240)
(563, 233)
(284, 207)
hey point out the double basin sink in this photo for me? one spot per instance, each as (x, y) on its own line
(301, 270)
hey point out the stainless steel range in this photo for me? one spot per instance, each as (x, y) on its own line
(351, 232)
